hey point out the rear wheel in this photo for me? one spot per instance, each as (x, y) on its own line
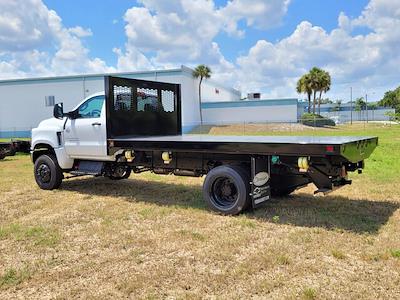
(48, 174)
(226, 189)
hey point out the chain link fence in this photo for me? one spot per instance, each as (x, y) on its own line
(313, 126)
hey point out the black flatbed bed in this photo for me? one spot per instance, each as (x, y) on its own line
(353, 148)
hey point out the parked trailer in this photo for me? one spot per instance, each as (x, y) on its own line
(11, 148)
(5, 149)
(136, 126)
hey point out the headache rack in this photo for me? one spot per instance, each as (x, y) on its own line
(138, 108)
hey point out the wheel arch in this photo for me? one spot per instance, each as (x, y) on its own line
(40, 149)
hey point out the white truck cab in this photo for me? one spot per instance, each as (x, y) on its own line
(80, 135)
(83, 136)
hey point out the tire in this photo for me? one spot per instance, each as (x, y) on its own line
(226, 190)
(125, 175)
(12, 152)
(48, 174)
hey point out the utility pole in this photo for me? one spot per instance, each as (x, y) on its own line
(366, 105)
(351, 105)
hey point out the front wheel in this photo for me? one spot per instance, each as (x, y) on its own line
(226, 189)
(48, 174)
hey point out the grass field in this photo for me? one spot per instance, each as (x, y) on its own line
(151, 237)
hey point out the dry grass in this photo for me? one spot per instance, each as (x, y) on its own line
(151, 237)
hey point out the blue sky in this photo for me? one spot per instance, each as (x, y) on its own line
(107, 34)
(253, 45)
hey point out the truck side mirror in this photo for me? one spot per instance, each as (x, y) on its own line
(58, 111)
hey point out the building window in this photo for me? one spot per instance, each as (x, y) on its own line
(49, 101)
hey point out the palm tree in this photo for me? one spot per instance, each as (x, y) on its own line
(304, 85)
(316, 83)
(201, 71)
(324, 86)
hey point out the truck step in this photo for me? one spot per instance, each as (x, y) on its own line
(89, 168)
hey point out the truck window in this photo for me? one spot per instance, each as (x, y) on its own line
(91, 108)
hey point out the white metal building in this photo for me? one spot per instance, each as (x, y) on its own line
(250, 111)
(25, 102)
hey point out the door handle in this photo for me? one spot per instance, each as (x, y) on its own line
(96, 124)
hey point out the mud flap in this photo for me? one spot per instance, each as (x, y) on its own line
(260, 180)
(321, 180)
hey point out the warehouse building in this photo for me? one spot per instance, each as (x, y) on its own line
(25, 102)
(250, 111)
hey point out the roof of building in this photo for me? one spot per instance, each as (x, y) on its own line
(89, 76)
(182, 70)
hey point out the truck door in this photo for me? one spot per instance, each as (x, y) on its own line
(85, 136)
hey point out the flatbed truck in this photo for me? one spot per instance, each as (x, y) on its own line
(135, 126)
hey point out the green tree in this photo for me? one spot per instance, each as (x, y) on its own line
(395, 117)
(360, 104)
(315, 74)
(324, 86)
(326, 101)
(314, 82)
(304, 86)
(201, 71)
(337, 106)
(391, 99)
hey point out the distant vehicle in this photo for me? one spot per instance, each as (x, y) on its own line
(136, 126)
(335, 119)
(5, 149)
(11, 148)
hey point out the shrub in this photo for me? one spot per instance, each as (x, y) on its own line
(309, 293)
(283, 260)
(338, 254)
(394, 117)
(395, 253)
(316, 120)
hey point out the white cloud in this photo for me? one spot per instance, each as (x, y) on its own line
(186, 31)
(34, 42)
(23, 29)
(368, 62)
(363, 52)
(258, 14)
(182, 32)
(131, 60)
(9, 69)
(80, 32)
(169, 33)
